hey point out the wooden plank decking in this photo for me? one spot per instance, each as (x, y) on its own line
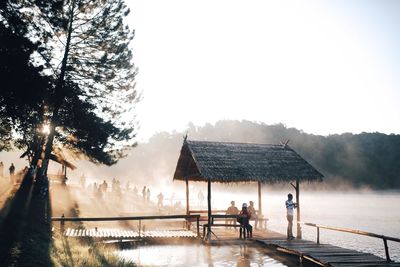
(230, 234)
(127, 234)
(322, 254)
(327, 255)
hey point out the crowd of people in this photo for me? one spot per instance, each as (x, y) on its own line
(115, 190)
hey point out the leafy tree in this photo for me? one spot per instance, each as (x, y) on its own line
(23, 87)
(83, 49)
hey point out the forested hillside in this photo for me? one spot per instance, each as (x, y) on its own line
(367, 159)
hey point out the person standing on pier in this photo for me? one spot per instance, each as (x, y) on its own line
(290, 206)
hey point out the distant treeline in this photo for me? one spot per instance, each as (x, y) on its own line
(366, 159)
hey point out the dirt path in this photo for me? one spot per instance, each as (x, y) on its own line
(7, 192)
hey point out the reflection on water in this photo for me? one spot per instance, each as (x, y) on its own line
(199, 255)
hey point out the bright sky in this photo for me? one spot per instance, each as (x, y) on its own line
(321, 66)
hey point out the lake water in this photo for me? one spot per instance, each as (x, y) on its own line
(375, 212)
(200, 255)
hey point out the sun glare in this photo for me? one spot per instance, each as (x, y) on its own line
(46, 129)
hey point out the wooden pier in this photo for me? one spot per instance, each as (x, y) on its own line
(327, 255)
(321, 254)
(128, 234)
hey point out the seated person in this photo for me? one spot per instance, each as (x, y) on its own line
(254, 216)
(232, 210)
(243, 219)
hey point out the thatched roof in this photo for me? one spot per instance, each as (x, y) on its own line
(242, 162)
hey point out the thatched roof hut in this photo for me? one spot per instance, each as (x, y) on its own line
(242, 162)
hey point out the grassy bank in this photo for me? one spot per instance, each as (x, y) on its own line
(71, 252)
(26, 238)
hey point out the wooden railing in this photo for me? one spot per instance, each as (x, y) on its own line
(358, 232)
(63, 219)
(206, 211)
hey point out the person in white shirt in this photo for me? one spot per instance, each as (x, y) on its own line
(290, 206)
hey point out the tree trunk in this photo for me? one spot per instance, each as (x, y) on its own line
(58, 95)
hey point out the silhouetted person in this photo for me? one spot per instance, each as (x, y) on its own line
(244, 220)
(135, 192)
(172, 199)
(118, 187)
(83, 181)
(148, 195)
(104, 186)
(178, 205)
(1, 169)
(12, 172)
(95, 188)
(160, 198)
(114, 185)
(232, 210)
(100, 192)
(144, 194)
(290, 206)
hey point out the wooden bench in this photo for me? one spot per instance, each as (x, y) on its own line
(203, 215)
(218, 225)
(261, 222)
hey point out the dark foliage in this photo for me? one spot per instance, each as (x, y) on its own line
(82, 95)
(23, 88)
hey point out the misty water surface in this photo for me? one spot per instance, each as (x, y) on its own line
(375, 212)
(200, 255)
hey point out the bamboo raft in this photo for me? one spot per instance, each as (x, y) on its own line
(327, 255)
(128, 234)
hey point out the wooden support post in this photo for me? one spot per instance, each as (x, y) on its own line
(140, 227)
(187, 196)
(386, 250)
(318, 235)
(198, 225)
(299, 235)
(62, 224)
(259, 199)
(187, 203)
(209, 209)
